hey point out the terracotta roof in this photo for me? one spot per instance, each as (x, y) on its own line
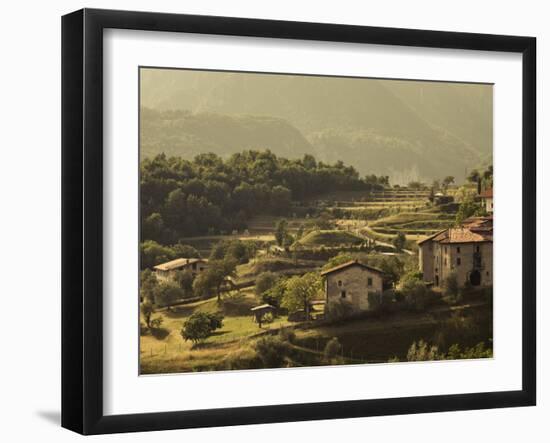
(178, 263)
(473, 222)
(347, 265)
(486, 193)
(464, 235)
(431, 237)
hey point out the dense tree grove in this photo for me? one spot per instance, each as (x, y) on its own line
(210, 195)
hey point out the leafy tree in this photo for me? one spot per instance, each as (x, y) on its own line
(391, 266)
(399, 241)
(148, 286)
(341, 258)
(300, 291)
(281, 232)
(415, 291)
(281, 199)
(213, 278)
(168, 292)
(474, 176)
(468, 208)
(274, 295)
(185, 281)
(447, 181)
(182, 250)
(200, 325)
(416, 185)
(153, 254)
(147, 310)
(264, 282)
(237, 250)
(153, 227)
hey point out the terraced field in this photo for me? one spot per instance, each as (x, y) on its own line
(330, 238)
(413, 223)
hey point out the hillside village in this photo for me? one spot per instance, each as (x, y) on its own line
(365, 272)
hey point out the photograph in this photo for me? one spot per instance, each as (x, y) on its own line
(293, 220)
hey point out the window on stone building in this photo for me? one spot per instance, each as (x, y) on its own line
(458, 249)
(339, 283)
(369, 281)
(343, 294)
(458, 261)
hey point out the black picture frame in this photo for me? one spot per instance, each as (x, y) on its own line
(82, 218)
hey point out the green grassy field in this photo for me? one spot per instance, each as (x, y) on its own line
(167, 352)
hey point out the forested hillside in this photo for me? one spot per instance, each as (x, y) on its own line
(210, 195)
(400, 128)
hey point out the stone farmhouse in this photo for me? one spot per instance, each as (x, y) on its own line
(487, 198)
(466, 251)
(352, 282)
(166, 271)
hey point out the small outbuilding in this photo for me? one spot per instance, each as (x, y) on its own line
(260, 311)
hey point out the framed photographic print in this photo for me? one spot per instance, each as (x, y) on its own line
(269, 221)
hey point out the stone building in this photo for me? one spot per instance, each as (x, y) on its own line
(466, 251)
(166, 271)
(487, 199)
(352, 282)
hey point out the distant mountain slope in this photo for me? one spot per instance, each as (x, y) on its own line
(421, 130)
(465, 110)
(184, 134)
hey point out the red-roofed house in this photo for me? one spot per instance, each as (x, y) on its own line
(466, 251)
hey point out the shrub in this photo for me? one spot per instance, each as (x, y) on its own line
(416, 294)
(267, 318)
(451, 287)
(421, 351)
(338, 310)
(143, 329)
(332, 350)
(272, 351)
(478, 351)
(399, 241)
(287, 334)
(156, 322)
